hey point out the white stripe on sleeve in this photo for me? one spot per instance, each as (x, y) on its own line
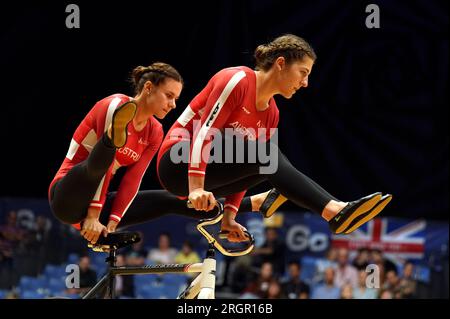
(111, 108)
(212, 116)
(90, 140)
(186, 116)
(115, 217)
(73, 148)
(99, 190)
(231, 206)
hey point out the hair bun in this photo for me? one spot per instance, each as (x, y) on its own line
(156, 73)
(289, 46)
(260, 52)
(137, 73)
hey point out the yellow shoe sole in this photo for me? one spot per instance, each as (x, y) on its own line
(121, 119)
(378, 208)
(277, 203)
(364, 208)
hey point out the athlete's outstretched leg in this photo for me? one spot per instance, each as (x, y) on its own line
(228, 178)
(71, 195)
(152, 204)
(290, 182)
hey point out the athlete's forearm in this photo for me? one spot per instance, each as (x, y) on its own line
(93, 212)
(196, 182)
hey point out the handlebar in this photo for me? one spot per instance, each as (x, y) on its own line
(212, 240)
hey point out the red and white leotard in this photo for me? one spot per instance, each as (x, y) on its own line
(227, 101)
(135, 155)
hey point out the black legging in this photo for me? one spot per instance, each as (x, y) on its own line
(152, 204)
(223, 179)
(70, 196)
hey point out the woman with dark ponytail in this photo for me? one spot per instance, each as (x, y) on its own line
(119, 131)
(241, 101)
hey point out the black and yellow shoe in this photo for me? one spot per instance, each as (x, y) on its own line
(121, 118)
(364, 218)
(271, 203)
(343, 219)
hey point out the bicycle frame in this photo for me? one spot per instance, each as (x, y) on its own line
(203, 285)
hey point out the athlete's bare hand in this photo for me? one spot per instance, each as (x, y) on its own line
(92, 229)
(236, 231)
(112, 225)
(202, 200)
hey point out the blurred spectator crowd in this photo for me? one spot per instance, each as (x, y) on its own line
(35, 253)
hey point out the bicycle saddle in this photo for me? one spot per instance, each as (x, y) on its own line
(116, 240)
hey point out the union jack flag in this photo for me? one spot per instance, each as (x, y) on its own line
(397, 239)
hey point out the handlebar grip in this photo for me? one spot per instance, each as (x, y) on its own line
(217, 204)
(223, 234)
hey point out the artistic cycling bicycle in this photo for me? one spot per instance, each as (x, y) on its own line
(203, 285)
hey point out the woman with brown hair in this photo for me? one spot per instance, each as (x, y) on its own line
(236, 114)
(119, 131)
